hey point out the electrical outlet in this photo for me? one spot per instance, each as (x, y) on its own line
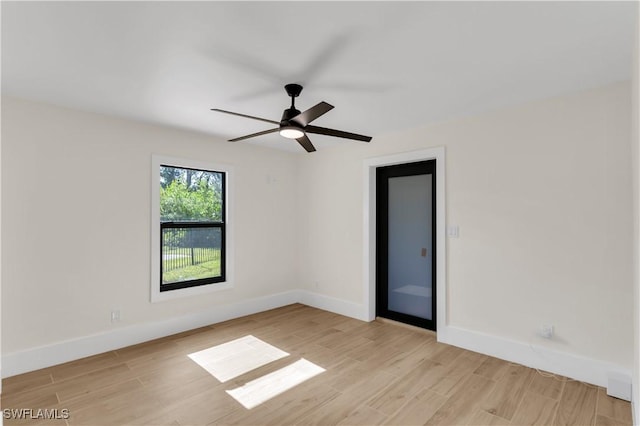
(546, 331)
(115, 315)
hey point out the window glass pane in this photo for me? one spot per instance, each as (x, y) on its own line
(188, 195)
(191, 253)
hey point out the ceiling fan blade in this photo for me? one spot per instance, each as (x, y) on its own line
(306, 143)
(337, 133)
(245, 116)
(311, 114)
(253, 135)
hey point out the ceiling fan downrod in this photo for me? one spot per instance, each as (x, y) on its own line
(293, 90)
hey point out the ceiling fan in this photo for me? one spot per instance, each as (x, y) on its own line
(295, 124)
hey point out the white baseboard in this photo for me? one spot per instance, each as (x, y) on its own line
(332, 304)
(573, 366)
(69, 350)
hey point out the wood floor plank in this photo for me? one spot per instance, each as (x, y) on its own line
(388, 348)
(363, 415)
(42, 398)
(340, 341)
(460, 406)
(446, 354)
(352, 327)
(482, 418)
(285, 409)
(608, 421)
(87, 400)
(344, 374)
(117, 410)
(455, 374)
(155, 362)
(348, 401)
(84, 365)
(157, 359)
(418, 410)
(313, 332)
(613, 407)
(363, 351)
(27, 381)
(95, 380)
(319, 355)
(434, 374)
(401, 390)
(379, 332)
(507, 394)
(181, 370)
(167, 392)
(492, 368)
(547, 384)
(201, 408)
(288, 408)
(286, 342)
(577, 404)
(331, 413)
(403, 362)
(535, 409)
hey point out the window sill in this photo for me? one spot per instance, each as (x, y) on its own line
(163, 296)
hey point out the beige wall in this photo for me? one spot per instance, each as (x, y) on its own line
(76, 222)
(540, 192)
(541, 195)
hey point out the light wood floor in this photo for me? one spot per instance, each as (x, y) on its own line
(376, 373)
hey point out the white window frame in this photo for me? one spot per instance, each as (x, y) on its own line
(156, 162)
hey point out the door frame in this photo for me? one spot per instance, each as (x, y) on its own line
(369, 231)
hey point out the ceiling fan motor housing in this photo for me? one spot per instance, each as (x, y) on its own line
(287, 115)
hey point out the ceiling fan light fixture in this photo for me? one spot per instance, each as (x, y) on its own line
(291, 132)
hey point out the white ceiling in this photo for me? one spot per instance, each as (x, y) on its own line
(385, 66)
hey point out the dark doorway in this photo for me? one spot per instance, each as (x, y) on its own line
(406, 243)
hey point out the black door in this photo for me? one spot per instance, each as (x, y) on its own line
(405, 244)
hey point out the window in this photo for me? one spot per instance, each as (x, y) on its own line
(189, 227)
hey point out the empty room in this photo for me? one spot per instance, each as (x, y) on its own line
(353, 213)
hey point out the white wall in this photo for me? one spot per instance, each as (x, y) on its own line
(76, 222)
(541, 195)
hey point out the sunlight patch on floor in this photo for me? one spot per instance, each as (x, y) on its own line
(268, 386)
(232, 359)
